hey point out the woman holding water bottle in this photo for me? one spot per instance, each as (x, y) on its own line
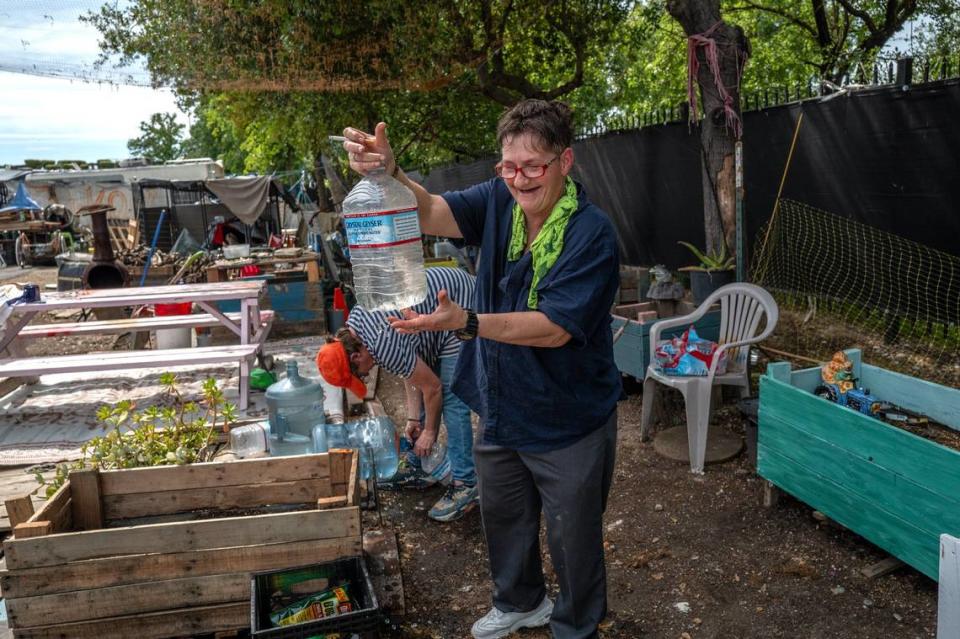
(426, 363)
(536, 364)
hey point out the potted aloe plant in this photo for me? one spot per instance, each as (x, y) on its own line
(715, 270)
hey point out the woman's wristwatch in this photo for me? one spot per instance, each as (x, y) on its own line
(469, 331)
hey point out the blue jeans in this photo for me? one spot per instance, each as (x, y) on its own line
(456, 416)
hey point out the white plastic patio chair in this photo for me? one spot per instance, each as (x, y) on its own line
(742, 307)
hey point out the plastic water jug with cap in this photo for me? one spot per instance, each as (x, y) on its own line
(295, 404)
(386, 253)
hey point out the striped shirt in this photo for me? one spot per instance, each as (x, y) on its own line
(398, 353)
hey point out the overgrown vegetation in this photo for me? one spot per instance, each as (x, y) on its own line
(174, 431)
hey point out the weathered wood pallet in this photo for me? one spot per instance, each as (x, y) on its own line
(123, 233)
(87, 564)
(898, 490)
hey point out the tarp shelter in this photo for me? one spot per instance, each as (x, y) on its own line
(192, 205)
(21, 201)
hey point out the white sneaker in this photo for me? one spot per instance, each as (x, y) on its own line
(496, 623)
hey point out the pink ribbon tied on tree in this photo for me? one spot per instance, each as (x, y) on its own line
(709, 45)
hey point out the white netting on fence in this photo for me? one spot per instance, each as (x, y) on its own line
(853, 285)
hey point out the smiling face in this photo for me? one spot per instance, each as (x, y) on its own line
(536, 196)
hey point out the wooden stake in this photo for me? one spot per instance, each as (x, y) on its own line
(19, 510)
(771, 495)
(883, 567)
(801, 358)
(85, 499)
(32, 529)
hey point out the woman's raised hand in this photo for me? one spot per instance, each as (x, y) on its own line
(368, 152)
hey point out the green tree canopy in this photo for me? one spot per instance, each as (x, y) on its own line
(160, 139)
(268, 81)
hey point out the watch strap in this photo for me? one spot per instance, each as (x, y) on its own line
(470, 330)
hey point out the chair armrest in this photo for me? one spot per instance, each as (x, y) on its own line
(768, 329)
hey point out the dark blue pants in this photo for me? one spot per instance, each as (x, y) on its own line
(570, 487)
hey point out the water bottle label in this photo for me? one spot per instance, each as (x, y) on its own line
(382, 228)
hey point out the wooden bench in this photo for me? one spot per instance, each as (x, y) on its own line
(198, 320)
(124, 360)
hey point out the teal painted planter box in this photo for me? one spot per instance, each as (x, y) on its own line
(896, 489)
(631, 351)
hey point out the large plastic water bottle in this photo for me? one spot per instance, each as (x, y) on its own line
(337, 435)
(250, 440)
(376, 439)
(284, 442)
(319, 439)
(437, 463)
(295, 403)
(380, 217)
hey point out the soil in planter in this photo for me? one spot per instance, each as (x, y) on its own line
(207, 513)
(934, 431)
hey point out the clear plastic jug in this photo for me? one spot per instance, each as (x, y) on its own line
(377, 440)
(295, 404)
(386, 252)
(319, 439)
(249, 440)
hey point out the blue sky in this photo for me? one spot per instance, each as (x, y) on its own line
(55, 118)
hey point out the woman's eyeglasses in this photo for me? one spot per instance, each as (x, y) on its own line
(509, 171)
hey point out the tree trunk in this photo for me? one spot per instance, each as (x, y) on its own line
(337, 191)
(323, 194)
(717, 137)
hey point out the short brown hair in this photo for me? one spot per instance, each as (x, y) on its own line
(550, 122)
(351, 344)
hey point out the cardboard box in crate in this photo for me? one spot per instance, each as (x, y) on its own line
(892, 487)
(129, 553)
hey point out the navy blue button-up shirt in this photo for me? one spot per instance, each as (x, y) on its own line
(536, 399)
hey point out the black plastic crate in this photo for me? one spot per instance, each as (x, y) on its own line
(352, 570)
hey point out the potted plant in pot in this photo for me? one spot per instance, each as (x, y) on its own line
(714, 271)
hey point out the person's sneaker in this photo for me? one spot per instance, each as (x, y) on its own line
(496, 624)
(408, 476)
(455, 503)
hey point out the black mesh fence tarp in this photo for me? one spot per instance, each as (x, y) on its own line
(887, 157)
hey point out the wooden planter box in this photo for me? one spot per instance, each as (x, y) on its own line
(166, 571)
(156, 276)
(631, 351)
(896, 489)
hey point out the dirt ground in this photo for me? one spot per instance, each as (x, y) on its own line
(688, 557)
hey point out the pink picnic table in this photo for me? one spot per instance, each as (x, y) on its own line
(249, 327)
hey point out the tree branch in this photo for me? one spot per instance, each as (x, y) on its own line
(824, 37)
(749, 5)
(863, 15)
(896, 16)
(506, 88)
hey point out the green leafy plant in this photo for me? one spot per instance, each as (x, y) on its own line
(711, 261)
(175, 431)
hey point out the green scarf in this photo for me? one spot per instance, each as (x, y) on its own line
(547, 246)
